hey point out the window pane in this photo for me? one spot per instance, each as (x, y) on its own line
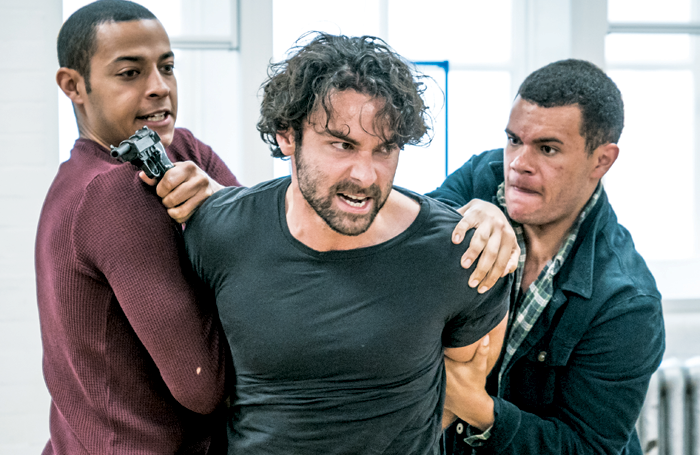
(649, 10)
(652, 182)
(461, 31)
(207, 82)
(647, 48)
(199, 17)
(168, 13)
(479, 106)
(422, 169)
(293, 18)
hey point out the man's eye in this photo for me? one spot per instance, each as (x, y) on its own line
(341, 145)
(512, 140)
(388, 149)
(548, 150)
(168, 69)
(129, 73)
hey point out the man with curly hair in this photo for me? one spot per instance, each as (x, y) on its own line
(338, 292)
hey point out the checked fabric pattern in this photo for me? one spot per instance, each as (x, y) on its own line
(539, 293)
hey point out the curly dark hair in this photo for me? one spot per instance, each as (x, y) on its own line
(578, 82)
(76, 41)
(298, 86)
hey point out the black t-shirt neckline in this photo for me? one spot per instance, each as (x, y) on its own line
(415, 226)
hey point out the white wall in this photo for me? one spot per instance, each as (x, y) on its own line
(28, 161)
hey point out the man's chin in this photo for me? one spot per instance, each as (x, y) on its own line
(518, 214)
(166, 139)
(350, 228)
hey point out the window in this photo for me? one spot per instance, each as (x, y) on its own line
(651, 53)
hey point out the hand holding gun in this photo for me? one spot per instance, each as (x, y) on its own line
(145, 151)
(185, 188)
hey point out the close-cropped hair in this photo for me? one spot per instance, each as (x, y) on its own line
(329, 64)
(581, 83)
(77, 39)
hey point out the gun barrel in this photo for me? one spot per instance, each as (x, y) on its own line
(118, 152)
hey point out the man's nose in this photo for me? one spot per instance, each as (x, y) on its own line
(157, 85)
(363, 170)
(523, 159)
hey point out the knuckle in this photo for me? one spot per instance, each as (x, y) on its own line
(489, 254)
(489, 282)
(480, 235)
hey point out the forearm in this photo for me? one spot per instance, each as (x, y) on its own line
(517, 431)
(453, 191)
(588, 405)
(469, 401)
(475, 179)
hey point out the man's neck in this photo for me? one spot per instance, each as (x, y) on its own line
(306, 226)
(542, 243)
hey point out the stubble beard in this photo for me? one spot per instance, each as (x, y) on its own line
(344, 223)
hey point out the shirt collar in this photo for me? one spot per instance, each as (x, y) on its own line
(582, 285)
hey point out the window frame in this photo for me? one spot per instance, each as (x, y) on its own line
(675, 278)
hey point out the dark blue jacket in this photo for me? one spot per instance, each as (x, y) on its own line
(578, 381)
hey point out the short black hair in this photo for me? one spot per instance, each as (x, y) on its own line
(578, 82)
(328, 64)
(76, 41)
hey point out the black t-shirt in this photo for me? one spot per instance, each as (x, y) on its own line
(339, 351)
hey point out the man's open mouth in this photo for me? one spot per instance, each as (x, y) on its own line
(154, 117)
(354, 201)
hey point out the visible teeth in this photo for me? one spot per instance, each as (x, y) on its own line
(156, 117)
(353, 201)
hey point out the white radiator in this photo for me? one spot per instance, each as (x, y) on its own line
(670, 420)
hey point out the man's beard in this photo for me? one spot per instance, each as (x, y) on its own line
(341, 222)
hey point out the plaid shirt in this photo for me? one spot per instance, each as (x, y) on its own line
(538, 294)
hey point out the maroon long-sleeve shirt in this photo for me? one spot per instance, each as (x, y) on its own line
(134, 355)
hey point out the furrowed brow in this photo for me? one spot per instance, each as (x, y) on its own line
(342, 136)
(388, 145)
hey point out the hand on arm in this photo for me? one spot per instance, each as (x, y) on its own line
(183, 188)
(466, 370)
(494, 239)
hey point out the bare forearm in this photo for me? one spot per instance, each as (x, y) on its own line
(466, 378)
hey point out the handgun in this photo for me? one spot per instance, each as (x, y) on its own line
(145, 151)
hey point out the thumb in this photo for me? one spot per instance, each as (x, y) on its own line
(482, 352)
(147, 179)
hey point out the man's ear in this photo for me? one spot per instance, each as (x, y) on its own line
(72, 84)
(605, 156)
(286, 142)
